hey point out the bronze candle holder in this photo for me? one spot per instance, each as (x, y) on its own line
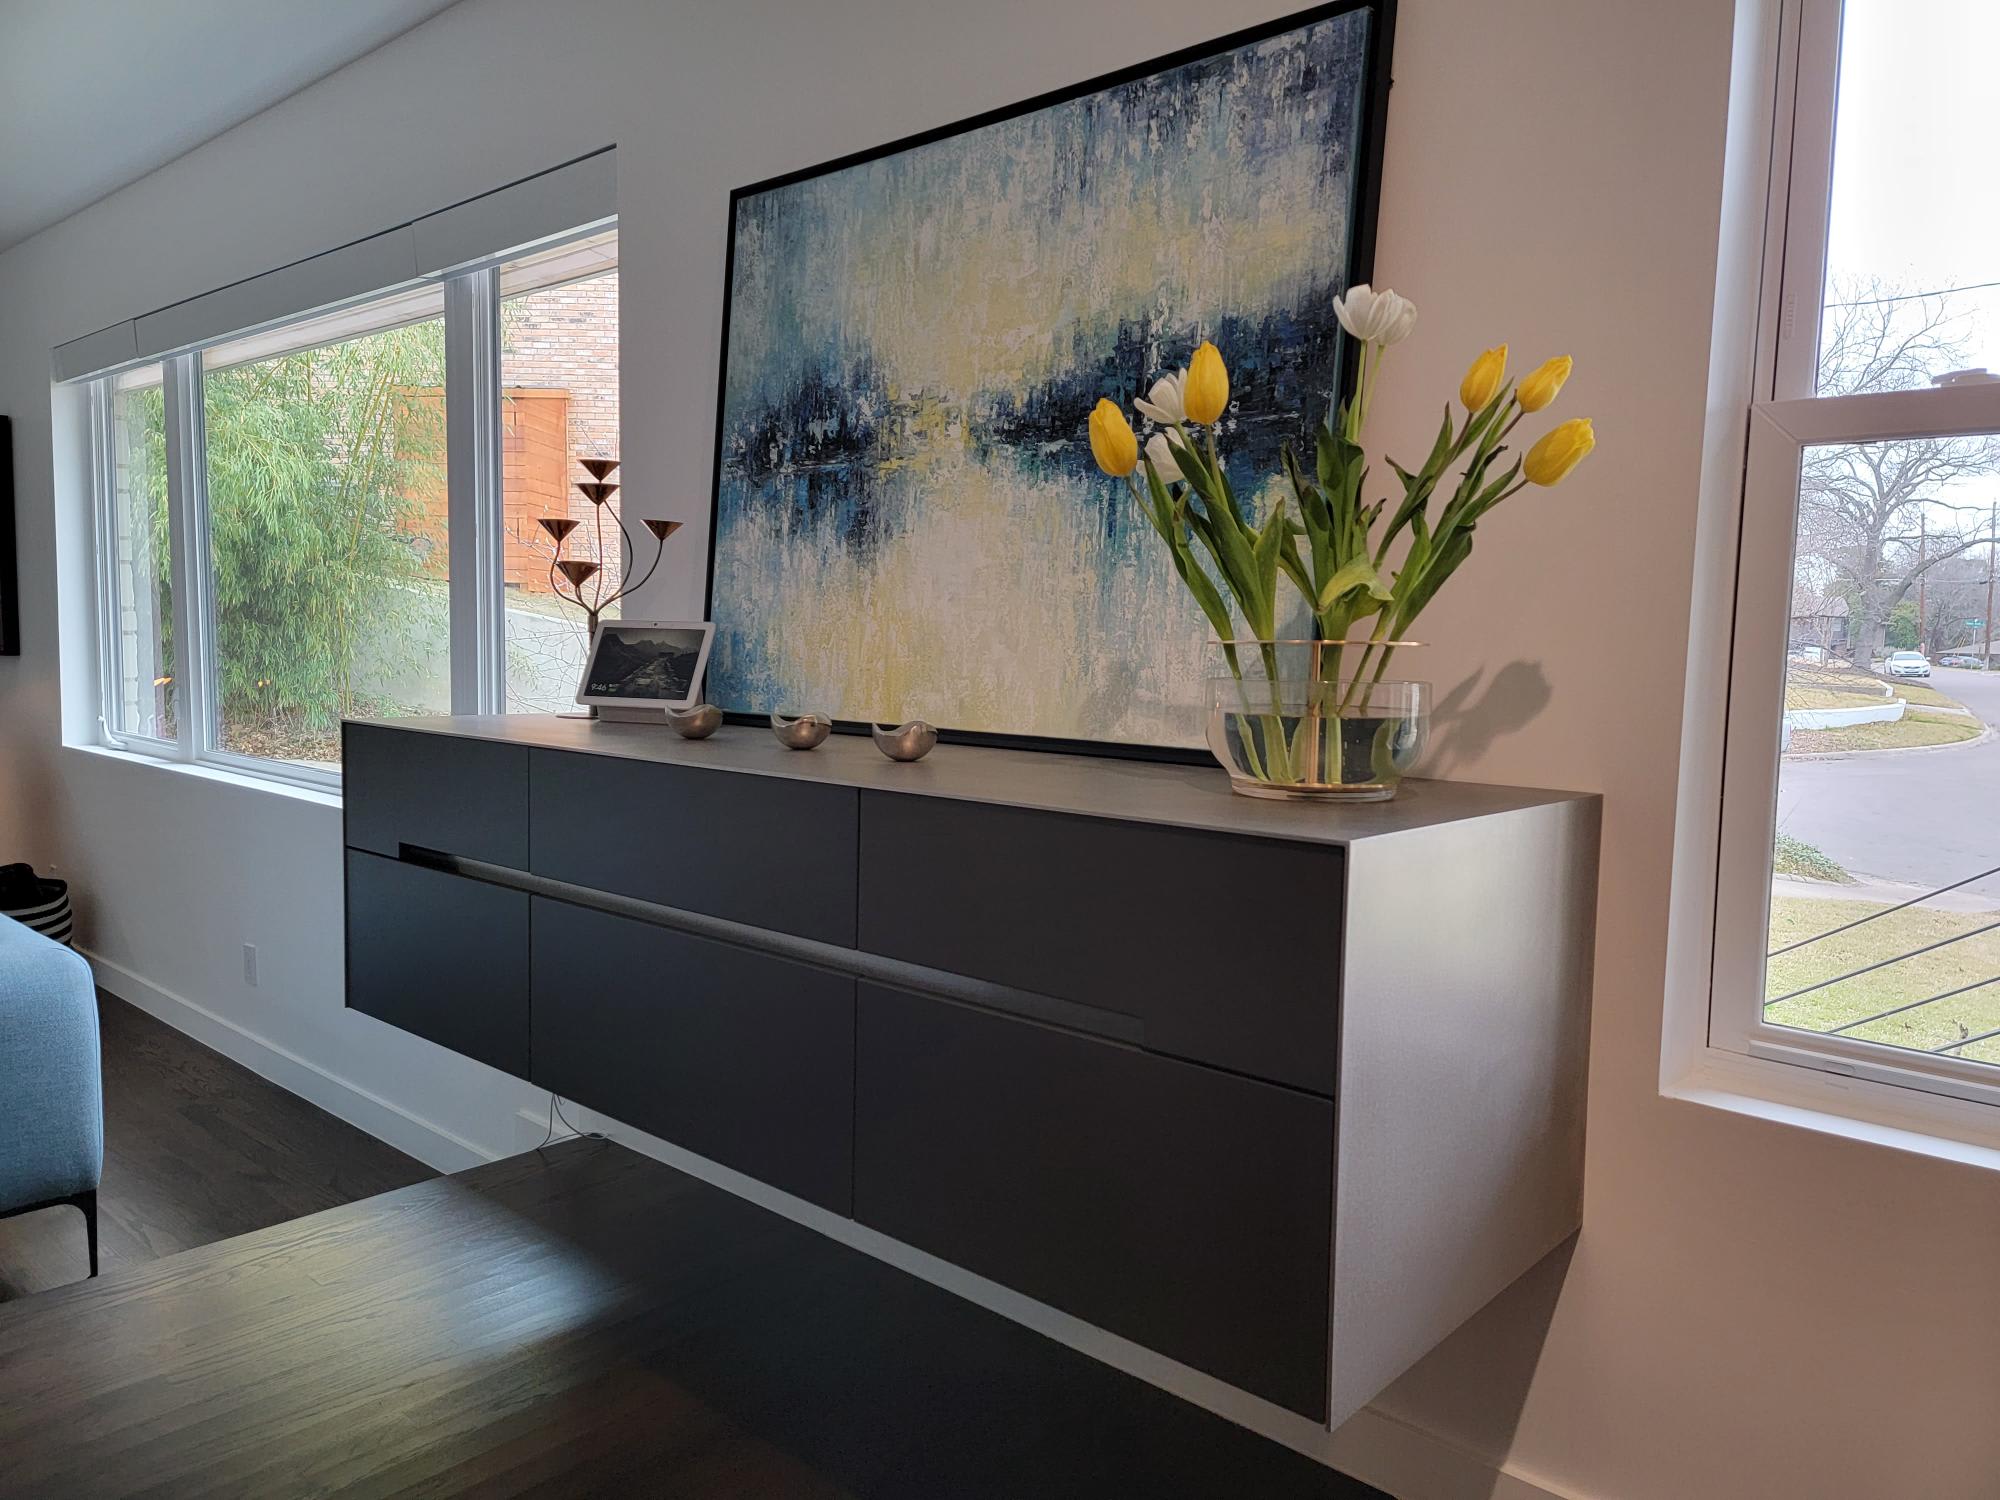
(579, 571)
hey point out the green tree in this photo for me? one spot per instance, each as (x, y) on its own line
(317, 464)
(1901, 631)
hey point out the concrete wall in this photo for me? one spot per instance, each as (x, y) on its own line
(1842, 718)
(1752, 1310)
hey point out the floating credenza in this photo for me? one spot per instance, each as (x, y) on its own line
(1282, 1092)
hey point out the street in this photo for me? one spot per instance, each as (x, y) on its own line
(1918, 817)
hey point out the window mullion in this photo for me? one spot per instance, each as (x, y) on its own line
(104, 521)
(474, 481)
(194, 592)
(1807, 181)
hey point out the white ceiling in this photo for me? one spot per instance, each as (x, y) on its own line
(97, 93)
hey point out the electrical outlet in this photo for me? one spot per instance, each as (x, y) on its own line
(250, 965)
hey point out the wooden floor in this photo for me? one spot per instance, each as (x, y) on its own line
(196, 1149)
(578, 1321)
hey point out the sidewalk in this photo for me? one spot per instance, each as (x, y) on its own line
(1883, 892)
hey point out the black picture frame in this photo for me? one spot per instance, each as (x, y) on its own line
(10, 570)
(1360, 268)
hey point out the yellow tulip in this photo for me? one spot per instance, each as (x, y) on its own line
(1482, 381)
(1544, 384)
(1112, 442)
(1560, 450)
(1207, 393)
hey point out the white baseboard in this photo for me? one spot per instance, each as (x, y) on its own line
(1407, 1462)
(411, 1134)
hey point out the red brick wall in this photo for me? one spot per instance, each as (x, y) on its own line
(559, 403)
(564, 339)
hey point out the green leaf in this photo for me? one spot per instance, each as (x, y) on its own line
(1360, 574)
(1293, 564)
(1441, 566)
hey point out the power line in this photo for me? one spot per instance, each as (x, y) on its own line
(1977, 286)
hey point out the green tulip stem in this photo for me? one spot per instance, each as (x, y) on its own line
(1351, 695)
(1379, 352)
(1243, 734)
(1277, 745)
(1367, 369)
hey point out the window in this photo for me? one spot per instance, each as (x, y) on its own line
(1858, 911)
(327, 528)
(558, 406)
(292, 524)
(136, 589)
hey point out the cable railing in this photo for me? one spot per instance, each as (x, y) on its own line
(1956, 937)
(1878, 965)
(1876, 916)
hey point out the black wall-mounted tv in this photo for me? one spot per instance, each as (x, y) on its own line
(10, 577)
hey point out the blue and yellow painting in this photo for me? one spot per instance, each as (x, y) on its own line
(908, 520)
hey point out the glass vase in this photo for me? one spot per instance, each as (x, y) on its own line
(1314, 720)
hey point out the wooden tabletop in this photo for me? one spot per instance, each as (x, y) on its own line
(577, 1321)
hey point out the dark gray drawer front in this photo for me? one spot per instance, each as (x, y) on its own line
(441, 956)
(1226, 949)
(434, 791)
(741, 1058)
(1184, 1208)
(754, 849)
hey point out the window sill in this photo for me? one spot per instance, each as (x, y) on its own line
(249, 781)
(1856, 1109)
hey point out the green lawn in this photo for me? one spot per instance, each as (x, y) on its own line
(1966, 962)
(1803, 861)
(1831, 685)
(1828, 686)
(1923, 697)
(1915, 728)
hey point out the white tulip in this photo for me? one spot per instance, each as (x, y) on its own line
(1402, 320)
(1161, 457)
(1165, 404)
(1375, 317)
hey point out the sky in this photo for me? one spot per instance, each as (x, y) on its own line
(1916, 193)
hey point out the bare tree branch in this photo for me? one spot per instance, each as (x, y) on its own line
(1861, 506)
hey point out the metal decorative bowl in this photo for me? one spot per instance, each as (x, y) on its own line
(696, 723)
(803, 733)
(911, 741)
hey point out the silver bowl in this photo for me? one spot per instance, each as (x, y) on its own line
(911, 741)
(696, 723)
(803, 733)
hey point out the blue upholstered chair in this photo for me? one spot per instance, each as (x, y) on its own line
(51, 1090)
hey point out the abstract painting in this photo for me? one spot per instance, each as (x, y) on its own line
(908, 522)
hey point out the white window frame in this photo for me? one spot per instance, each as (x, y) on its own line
(1911, 1090)
(475, 507)
(104, 486)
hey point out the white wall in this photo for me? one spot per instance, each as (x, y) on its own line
(1752, 1310)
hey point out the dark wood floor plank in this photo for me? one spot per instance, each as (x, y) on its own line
(580, 1321)
(197, 1149)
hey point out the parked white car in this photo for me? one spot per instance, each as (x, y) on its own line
(1908, 664)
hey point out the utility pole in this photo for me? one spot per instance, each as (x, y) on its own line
(1923, 578)
(1992, 547)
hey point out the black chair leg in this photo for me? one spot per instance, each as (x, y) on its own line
(84, 1203)
(87, 1202)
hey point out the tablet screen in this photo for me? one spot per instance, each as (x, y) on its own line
(640, 662)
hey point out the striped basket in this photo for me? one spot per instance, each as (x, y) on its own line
(46, 908)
